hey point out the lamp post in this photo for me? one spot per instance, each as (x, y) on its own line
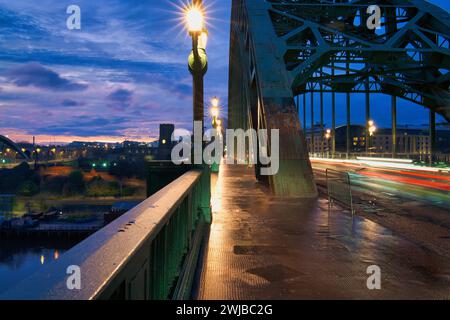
(215, 112)
(217, 125)
(198, 63)
(372, 130)
(328, 137)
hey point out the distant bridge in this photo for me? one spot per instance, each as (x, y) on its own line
(11, 144)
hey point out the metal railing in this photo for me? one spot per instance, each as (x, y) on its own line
(141, 255)
(339, 189)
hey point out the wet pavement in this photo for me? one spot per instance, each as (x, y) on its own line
(262, 247)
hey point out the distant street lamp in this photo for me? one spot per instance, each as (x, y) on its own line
(217, 125)
(214, 112)
(372, 130)
(216, 122)
(328, 137)
(215, 102)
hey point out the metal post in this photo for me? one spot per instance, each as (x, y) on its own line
(394, 126)
(304, 112)
(432, 144)
(197, 75)
(347, 67)
(367, 116)
(322, 130)
(333, 116)
(312, 123)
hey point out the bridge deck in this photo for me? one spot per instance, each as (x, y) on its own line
(267, 248)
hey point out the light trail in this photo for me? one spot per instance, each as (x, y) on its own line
(383, 164)
(422, 183)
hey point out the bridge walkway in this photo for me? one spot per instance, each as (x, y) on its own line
(261, 247)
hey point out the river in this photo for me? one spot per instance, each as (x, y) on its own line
(21, 258)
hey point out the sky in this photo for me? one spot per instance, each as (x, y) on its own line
(118, 77)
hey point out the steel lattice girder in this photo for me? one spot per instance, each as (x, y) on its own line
(408, 57)
(260, 96)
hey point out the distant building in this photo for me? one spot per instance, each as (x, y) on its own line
(165, 133)
(414, 140)
(318, 140)
(165, 141)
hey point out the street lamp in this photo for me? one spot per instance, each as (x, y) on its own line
(198, 62)
(214, 112)
(194, 18)
(215, 102)
(216, 122)
(372, 130)
(328, 137)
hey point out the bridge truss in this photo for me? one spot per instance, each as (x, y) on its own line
(281, 49)
(4, 141)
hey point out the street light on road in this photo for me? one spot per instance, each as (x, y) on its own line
(328, 137)
(372, 130)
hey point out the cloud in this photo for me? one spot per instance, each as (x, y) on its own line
(86, 126)
(122, 75)
(71, 103)
(36, 75)
(120, 99)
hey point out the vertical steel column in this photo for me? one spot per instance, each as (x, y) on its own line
(432, 143)
(312, 121)
(348, 138)
(322, 130)
(367, 116)
(394, 126)
(333, 115)
(348, 126)
(304, 112)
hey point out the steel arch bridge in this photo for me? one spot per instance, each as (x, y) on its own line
(8, 142)
(281, 49)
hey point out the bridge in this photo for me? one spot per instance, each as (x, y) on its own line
(312, 230)
(9, 143)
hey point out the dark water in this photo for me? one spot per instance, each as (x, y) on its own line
(21, 258)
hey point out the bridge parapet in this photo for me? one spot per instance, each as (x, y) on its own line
(141, 255)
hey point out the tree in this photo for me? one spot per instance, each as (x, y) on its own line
(75, 184)
(54, 185)
(98, 187)
(28, 189)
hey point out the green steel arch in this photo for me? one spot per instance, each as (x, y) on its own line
(280, 49)
(13, 146)
(408, 56)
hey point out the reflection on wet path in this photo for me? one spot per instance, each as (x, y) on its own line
(262, 247)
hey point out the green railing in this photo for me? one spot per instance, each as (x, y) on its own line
(150, 252)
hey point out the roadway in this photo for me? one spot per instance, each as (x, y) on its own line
(31, 163)
(418, 185)
(414, 202)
